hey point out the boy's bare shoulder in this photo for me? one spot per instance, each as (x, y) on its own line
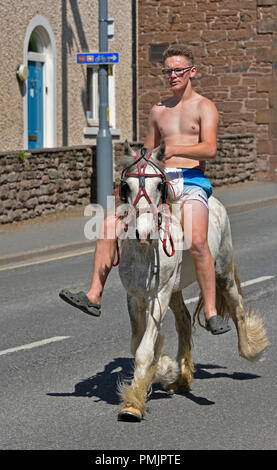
(205, 103)
(162, 105)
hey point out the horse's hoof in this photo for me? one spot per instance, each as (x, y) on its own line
(130, 414)
(178, 387)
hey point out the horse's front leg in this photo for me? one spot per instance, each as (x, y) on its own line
(147, 354)
(137, 314)
(183, 328)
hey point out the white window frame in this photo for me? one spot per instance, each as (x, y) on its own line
(93, 114)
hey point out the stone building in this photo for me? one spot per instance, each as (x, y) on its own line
(57, 105)
(47, 163)
(234, 44)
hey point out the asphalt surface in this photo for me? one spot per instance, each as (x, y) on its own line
(62, 394)
(63, 232)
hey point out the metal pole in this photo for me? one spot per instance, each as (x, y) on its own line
(104, 151)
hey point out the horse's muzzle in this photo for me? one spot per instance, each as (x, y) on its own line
(143, 238)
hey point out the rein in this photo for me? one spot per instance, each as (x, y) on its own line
(142, 192)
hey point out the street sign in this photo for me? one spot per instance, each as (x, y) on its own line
(98, 58)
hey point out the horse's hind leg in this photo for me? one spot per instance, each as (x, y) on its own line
(183, 328)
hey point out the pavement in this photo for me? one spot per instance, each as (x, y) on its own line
(64, 232)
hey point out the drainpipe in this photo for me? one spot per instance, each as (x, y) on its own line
(134, 67)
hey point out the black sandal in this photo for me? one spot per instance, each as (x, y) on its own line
(81, 301)
(217, 326)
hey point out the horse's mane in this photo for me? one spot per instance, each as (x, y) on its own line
(129, 155)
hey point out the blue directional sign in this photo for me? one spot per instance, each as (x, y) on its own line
(98, 58)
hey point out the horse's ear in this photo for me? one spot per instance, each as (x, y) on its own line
(128, 149)
(159, 152)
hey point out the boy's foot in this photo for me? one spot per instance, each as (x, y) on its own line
(217, 326)
(81, 301)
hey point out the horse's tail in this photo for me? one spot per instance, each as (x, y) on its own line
(252, 337)
(197, 312)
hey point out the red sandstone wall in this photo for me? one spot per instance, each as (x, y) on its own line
(232, 43)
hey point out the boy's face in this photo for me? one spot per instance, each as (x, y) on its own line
(179, 79)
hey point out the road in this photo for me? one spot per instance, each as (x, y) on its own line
(60, 368)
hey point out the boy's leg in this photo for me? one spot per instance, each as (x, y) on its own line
(90, 302)
(103, 258)
(204, 264)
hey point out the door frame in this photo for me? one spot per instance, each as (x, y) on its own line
(48, 56)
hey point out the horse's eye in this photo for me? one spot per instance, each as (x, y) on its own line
(159, 187)
(124, 191)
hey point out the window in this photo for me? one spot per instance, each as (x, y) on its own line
(92, 105)
(35, 43)
(92, 96)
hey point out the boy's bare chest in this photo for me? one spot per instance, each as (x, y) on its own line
(183, 121)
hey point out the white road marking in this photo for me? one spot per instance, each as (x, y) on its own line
(48, 260)
(33, 345)
(61, 338)
(254, 281)
(243, 284)
(190, 301)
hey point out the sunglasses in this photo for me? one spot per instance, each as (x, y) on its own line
(178, 71)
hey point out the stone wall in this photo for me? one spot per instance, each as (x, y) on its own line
(235, 160)
(40, 182)
(233, 44)
(44, 181)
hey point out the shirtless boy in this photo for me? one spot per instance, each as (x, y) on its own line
(187, 122)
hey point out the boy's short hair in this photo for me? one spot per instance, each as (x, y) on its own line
(179, 49)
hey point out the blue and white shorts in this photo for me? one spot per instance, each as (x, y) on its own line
(188, 184)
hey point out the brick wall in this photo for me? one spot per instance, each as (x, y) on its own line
(44, 181)
(232, 43)
(267, 89)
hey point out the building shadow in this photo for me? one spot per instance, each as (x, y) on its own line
(67, 41)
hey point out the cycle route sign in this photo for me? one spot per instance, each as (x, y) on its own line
(98, 58)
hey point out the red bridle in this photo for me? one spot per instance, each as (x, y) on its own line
(141, 174)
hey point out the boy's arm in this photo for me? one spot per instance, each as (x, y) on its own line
(153, 137)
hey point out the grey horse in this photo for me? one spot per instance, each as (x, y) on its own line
(154, 268)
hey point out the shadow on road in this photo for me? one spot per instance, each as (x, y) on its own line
(103, 385)
(202, 373)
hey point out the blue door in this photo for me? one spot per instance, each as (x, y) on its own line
(35, 105)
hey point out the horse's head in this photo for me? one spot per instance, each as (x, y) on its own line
(143, 186)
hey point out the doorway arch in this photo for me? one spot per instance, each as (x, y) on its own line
(40, 123)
